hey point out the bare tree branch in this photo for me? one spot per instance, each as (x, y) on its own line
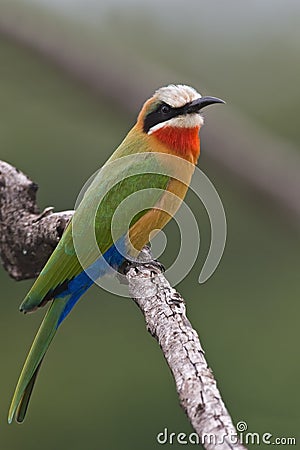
(27, 238)
(165, 315)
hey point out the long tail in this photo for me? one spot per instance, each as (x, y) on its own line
(34, 359)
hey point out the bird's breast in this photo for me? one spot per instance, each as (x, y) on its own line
(180, 141)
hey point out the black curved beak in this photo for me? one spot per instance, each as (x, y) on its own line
(200, 103)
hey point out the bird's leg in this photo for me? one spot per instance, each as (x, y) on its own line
(145, 258)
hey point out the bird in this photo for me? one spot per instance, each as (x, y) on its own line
(167, 125)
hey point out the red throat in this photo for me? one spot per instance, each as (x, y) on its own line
(183, 142)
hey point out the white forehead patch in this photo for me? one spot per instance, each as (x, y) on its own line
(177, 95)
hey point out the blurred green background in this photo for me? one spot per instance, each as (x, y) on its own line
(104, 383)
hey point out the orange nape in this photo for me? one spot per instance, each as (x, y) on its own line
(184, 142)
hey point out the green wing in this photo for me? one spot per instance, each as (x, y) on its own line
(114, 183)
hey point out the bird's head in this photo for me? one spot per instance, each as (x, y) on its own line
(172, 119)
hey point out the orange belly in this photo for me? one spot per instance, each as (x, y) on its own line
(157, 217)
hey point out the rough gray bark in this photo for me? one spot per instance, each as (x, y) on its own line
(165, 315)
(27, 238)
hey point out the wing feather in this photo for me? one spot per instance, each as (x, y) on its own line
(111, 186)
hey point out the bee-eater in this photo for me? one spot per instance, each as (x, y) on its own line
(168, 124)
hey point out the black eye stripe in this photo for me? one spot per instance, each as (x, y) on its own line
(161, 114)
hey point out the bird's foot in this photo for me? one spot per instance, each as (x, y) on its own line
(129, 264)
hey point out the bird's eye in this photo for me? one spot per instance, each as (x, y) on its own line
(165, 109)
